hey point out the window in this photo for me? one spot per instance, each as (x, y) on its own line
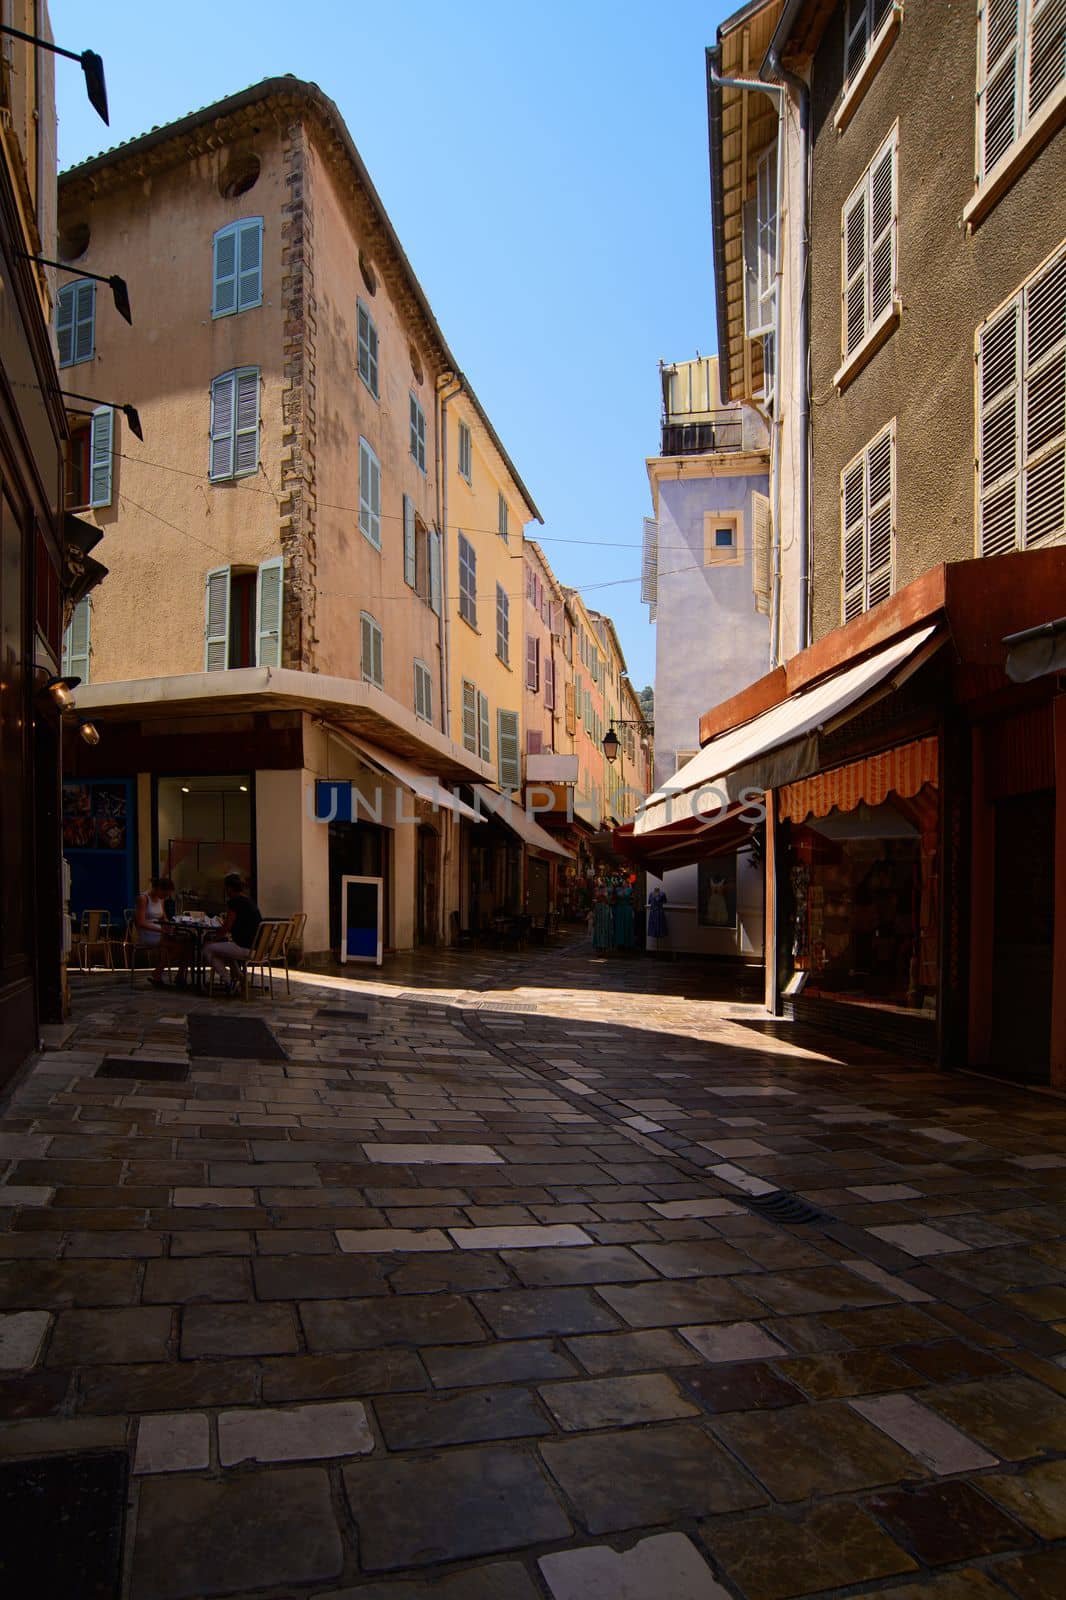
(76, 322)
(466, 453)
(509, 755)
(868, 524)
(470, 717)
(501, 512)
(1021, 379)
(367, 338)
(372, 653)
(418, 433)
(238, 268)
(483, 727)
(369, 495)
(434, 573)
(532, 663)
(760, 248)
(423, 692)
(761, 554)
(467, 581)
(570, 709)
(865, 18)
(1021, 69)
(90, 460)
(869, 255)
(723, 538)
(76, 643)
(242, 616)
(235, 424)
(549, 682)
(503, 624)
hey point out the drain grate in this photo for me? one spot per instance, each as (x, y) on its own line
(784, 1206)
(147, 1071)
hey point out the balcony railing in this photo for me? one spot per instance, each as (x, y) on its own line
(724, 432)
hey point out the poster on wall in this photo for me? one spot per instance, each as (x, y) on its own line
(98, 840)
(717, 892)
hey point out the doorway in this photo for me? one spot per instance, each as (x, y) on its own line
(358, 850)
(428, 879)
(1023, 932)
(537, 888)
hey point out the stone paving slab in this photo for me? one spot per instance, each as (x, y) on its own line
(608, 1369)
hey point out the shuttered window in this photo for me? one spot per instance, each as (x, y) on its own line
(470, 720)
(868, 525)
(369, 494)
(367, 340)
(76, 322)
(216, 620)
(1021, 382)
(76, 643)
(868, 248)
(268, 604)
(760, 248)
(549, 682)
(423, 692)
(501, 512)
(467, 581)
(532, 663)
(570, 710)
(761, 556)
(503, 624)
(237, 267)
(235, 424)
(373, 663)
(101, 455)
(410, 543)
(509, 758)
(1021, 58)
(483, 746)
(466, 453)
(269, 611)
(434, 572)
(865, 20)
(418, 432)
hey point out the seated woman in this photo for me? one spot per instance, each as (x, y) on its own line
(235, 938)
(150, 917)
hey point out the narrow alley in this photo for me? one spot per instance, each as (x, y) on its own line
(512, 1276)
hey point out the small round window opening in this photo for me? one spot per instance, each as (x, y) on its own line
(369, 275)
(416, 364)
(240, 174)
(73, 241)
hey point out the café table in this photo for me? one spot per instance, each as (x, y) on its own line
(198, 930)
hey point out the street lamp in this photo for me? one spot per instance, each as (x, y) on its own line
(610, 745)
(130, 412)
(119, 289)
(88, 60)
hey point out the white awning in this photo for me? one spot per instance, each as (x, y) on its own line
(776, 747)
(511, 810)
(420, 784)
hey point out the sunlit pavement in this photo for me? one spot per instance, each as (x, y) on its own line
(469, 1294)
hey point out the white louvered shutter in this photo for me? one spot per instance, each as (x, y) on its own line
(216, 620)
(379, 657)
(268, 604)
(76, 643)
(532, 663)
(483, 748)
(854, 265)
(1046, 65)
(509, 762)
(760, 555)
(250, 264)
(549, 683)
(882, 243)
(224, 292)
(222, 395)
(1044, 409)
(410, 548)
(1000, 431)
(855, 43)
(246, 436)
(852, 519)
(101, 453)
(469, 716)
(999, 99)
(880, 470)
(366, 647)
(434, 573)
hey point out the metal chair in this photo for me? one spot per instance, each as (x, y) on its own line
(94, 933)
(267, 936)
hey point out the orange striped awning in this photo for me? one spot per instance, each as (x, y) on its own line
(902, 771)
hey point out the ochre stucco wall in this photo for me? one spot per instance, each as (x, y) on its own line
(949, 281)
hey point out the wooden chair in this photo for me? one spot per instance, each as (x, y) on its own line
(267, 936)
(94, 934)
(294, 935)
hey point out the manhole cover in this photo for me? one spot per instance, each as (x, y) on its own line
(784, 1206)
(147, 1071)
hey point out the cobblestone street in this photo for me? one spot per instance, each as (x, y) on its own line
(467, 1292)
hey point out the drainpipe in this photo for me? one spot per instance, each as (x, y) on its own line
(774, 64)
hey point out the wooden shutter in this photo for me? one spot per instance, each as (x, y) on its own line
(1044, 406)
(366, 647)
(999, 99)
(224, 296)
(101, 449)
(249, 263)
(510, 763)
(999, 388)
(549, 682)
(268, 605)
(76, 643)
(222, 397)
(379, 656)
(483, 748)
(1046, 65)
(434, 573)
(410, 547)
(423, 692)
(880, 473)
(246, 437)
(882, 246)
(761, 555)
(855, 38)
(216, 620)
(65, 323)
(532, 663)
(534, 742)
(502, 516)
(852, 521)
(84, 321)
(369, 494)
(570, 710)
(503, 623)
(470, 723)
(853, 244)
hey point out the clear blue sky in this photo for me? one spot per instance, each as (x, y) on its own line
(546, 169)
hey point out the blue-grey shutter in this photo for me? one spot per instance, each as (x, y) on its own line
(434, 573)
(76, 643)
(366, 647)
(268, 604)
(246, 438)
(84, 321)
(483, 727)
(410, 565)
(101, 444)
(510, 766)
(379, 657)
(216, 620)
(65, 324)
(224, 293)
(249, 263)
(470, 729)
(222, 394)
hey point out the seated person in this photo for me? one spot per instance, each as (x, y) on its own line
(150, 919)
(235, 938)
